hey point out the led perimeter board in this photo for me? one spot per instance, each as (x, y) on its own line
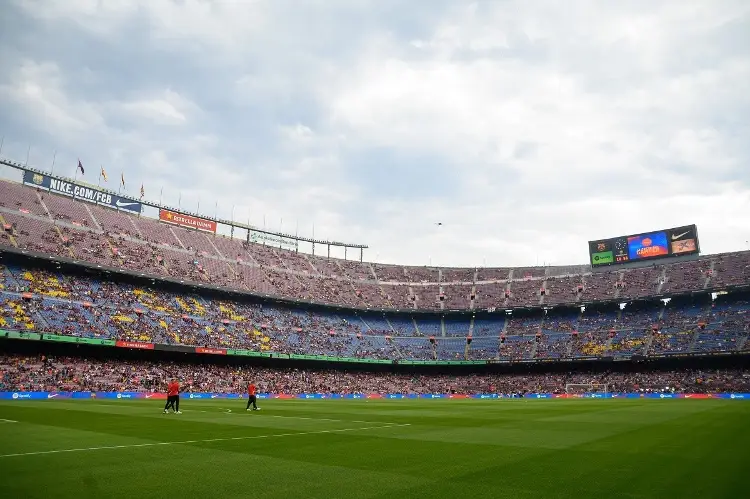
(680, 241)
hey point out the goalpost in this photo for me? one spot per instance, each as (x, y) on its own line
(581, 388)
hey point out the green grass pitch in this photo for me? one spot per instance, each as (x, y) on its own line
(376, 449)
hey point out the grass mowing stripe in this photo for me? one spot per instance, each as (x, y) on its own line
(226, 439)
(224, 410)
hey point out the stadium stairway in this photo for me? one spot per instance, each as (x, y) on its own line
(662, 279)
(177, 239)
(389, 324)
(649, 342)
(44, 205)
(11, 237)
(608, 345)
(620, 279)
(707, 282)
(694, 341)
(93, 218)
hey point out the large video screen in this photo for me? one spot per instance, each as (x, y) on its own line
(680, 241)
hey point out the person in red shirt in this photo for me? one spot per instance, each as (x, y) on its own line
(173, 397)
(251, 397)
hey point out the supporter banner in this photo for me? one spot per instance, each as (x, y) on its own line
(135, 344)
(211, 351)
(351, 396)
(83, 192)
(172, 217)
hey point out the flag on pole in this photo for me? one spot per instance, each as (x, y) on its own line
(104, 174)
(122, 179)
(143, 193)
(80, 167)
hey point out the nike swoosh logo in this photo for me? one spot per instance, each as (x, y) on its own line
(51, 395)
(677, 236)
(120, 204)
(149, 396)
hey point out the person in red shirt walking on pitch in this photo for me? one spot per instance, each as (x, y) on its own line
(173, 397)
(251, 397)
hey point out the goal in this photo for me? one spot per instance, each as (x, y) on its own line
(581, 388)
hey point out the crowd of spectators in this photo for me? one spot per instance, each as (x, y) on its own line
(44, 222)
(44, 373)
(74, 305)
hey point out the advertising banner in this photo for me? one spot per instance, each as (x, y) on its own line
(83, 192)
(272, 240)
(135, 344)
(353, 396)
(189, 221)
(211, 351)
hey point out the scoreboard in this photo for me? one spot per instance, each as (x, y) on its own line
(679, 241)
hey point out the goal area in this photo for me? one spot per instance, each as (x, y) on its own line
(581, 388)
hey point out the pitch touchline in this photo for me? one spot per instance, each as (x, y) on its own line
(7, 421)
(155, 444)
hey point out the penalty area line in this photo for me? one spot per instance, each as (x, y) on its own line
(225, 439)
(7, 421)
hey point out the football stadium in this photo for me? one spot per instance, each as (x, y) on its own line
(151, 350)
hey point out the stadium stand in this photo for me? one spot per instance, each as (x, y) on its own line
(39, 221)
(52, 373)
(75, 305)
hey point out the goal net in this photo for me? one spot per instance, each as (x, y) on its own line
(581, 388)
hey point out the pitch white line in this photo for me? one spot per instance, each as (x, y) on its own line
(241, 412)
(155, 444)
(7, 421)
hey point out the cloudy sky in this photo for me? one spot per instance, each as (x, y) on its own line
(525, 128)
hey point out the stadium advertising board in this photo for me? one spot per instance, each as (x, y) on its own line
(679, 241)
(77, 190)
(211, 351)
(318, 396)
(191, 222)
(139, 345)
(272, 240)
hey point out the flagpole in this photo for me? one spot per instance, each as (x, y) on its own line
(161, 191)
(99, 182)
(52, 168)
(75, 177)
(2, 141)
(28, 151)
(179, 201)
(216, 210)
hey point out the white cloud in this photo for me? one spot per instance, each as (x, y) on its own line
(527, 128)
